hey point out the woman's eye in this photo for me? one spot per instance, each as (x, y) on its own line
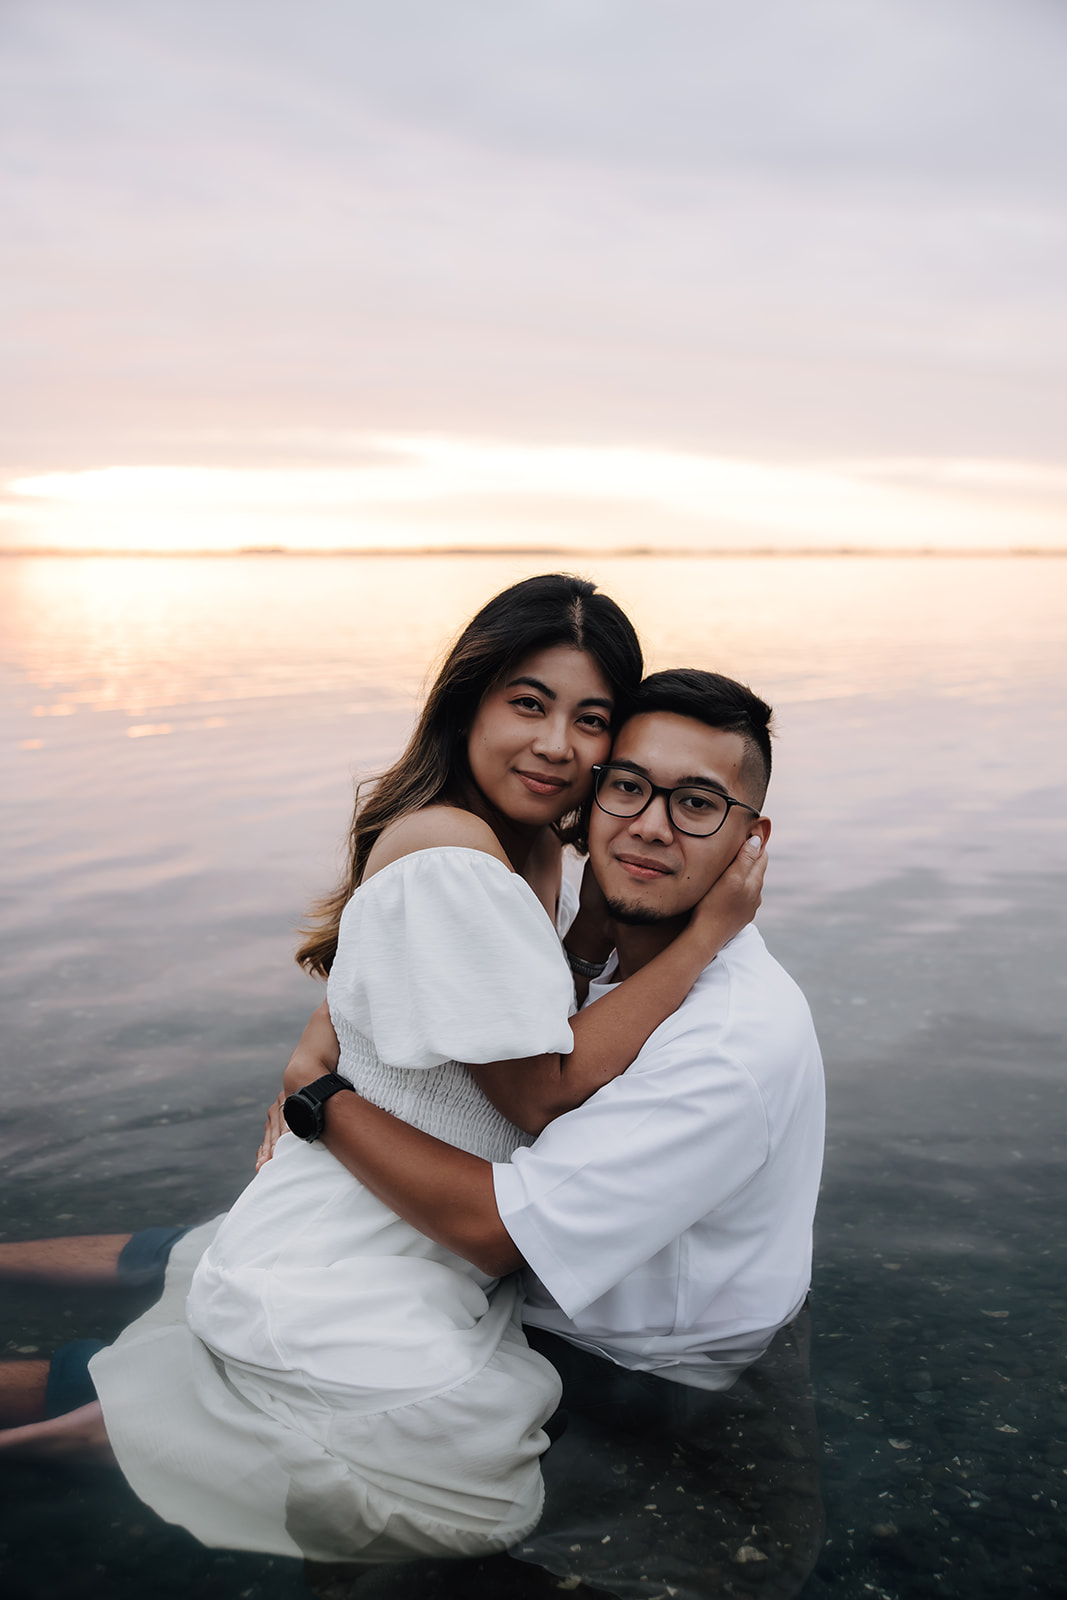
(594, 724)
(527, 702)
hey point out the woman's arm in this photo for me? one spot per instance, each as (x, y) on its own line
(609, 1035)
(533, 1091)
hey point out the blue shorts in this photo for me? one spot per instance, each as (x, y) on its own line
(142, 1265)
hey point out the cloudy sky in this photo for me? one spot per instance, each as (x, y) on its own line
(553, 272)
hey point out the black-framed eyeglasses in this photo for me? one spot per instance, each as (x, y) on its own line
(692, 809)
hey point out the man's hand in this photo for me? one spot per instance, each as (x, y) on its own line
(317, 1054)
(273, 1129)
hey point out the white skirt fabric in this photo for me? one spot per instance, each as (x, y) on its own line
(277, 1462)
(319, 1378)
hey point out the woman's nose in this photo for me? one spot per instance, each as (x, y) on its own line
(553, 739)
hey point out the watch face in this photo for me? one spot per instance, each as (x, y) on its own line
(300, 1117)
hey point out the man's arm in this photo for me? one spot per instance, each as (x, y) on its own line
(318, 1051)
(445, 1193)
(316, 1054)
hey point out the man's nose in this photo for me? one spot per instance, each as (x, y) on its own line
(654, 822)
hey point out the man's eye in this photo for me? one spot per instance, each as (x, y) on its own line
(700, 804)
(625, 786)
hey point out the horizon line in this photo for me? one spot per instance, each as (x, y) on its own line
(669, 552)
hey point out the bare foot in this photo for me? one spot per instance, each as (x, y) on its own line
(77, 1436)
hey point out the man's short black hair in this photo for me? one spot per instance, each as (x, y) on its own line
(720, 703)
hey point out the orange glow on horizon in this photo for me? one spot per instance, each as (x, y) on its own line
(443, 493)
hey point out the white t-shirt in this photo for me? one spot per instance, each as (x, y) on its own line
(667, 1222)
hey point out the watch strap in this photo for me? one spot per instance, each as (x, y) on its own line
(312, 1097)
(322, 1088)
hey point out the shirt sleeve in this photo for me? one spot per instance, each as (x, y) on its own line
(608, 1186)
(446, 955)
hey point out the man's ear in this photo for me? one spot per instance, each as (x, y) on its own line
(760, 829)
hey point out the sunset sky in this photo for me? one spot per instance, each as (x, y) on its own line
(596, 273)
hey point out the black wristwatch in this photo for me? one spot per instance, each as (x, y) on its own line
(303, 1110)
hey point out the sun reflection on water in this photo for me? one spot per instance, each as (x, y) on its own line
(113, 632)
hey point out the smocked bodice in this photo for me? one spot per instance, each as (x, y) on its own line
(442, 1100)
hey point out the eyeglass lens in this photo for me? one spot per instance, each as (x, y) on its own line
(696, 811)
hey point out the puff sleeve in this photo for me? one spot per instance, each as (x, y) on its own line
(446, 955)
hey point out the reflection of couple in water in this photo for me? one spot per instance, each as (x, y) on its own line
(337, 1368)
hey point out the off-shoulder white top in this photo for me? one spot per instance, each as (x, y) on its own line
(445, 957)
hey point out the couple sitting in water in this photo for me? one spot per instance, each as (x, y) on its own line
(337, 1368)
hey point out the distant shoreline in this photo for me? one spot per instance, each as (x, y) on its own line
(622, 552)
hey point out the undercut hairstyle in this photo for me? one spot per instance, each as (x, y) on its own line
(721, 703)
(536, 614)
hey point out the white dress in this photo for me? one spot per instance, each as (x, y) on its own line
(340, 1387)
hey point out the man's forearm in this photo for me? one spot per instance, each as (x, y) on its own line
(445, 1193)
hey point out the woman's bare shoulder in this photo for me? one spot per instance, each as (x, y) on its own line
(430, 829)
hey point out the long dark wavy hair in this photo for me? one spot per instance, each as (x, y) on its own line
(553, 609)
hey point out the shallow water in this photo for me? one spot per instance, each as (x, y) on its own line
(181, 737)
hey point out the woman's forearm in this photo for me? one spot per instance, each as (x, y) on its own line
(607, 1037)
(532, 1092)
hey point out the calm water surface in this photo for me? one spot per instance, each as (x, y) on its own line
(180, 740)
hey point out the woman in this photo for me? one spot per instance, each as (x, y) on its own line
(344, 1388)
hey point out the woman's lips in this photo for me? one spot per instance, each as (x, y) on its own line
(540, 783)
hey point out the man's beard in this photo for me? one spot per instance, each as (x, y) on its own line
(636, 916)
